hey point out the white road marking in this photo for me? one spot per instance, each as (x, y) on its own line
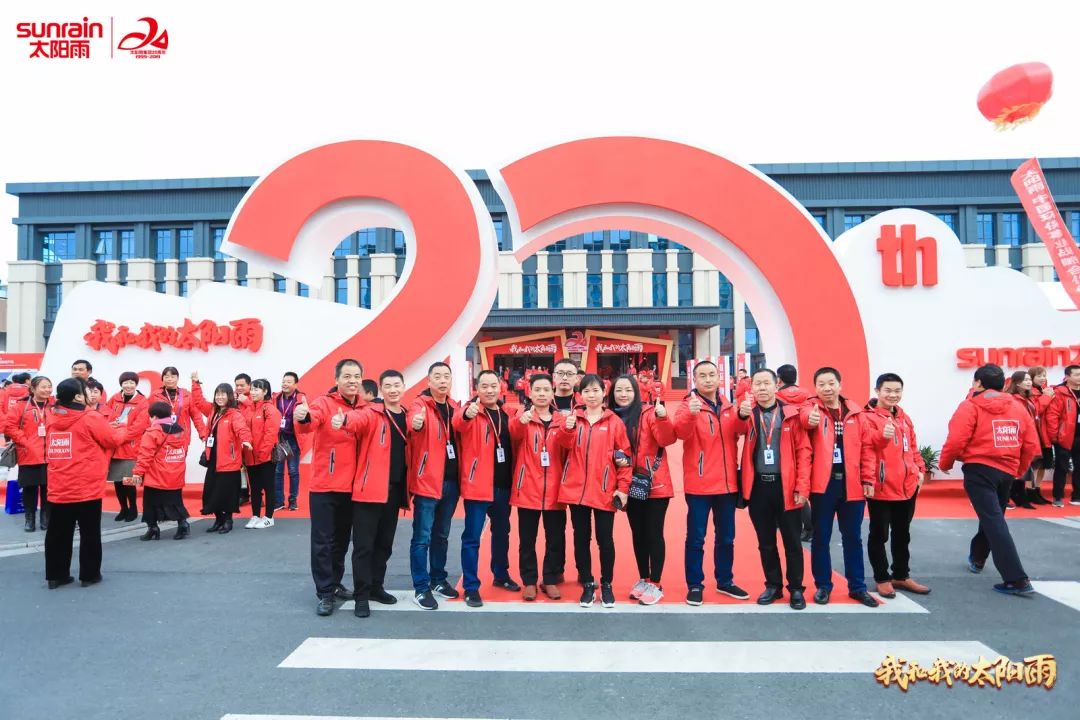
(235, 716)
(37, 545)
(1066, 592)
(569, 656)
(1069, 522)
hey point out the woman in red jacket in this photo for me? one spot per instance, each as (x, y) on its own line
(650, 430)
(597, 471)
(265, 422)
(160, 468)
(1019, 386)
(25, 426)
(1041, 393)
(76, 442)
(227, 437)
(128, 410)
(184, 410)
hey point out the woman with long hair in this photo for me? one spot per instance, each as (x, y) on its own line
(227, 436)
(649, 430)
(265, 420)
(1019, 386)
(25, 426)
(1041, 393)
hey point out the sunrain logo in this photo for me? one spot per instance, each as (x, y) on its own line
(60, 40)
(59, 446)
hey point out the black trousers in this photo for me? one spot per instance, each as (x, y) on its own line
(554, 544)
(1064, 459)
(890, 517)
(30, 498)
(125, 495)
(261, 478)
(768, 515)
(331, 525)
(647, 529)
(373, 528)
(988, 489)
(60, 536)
(581, 517)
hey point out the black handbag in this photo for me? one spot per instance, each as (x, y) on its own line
(281, 452)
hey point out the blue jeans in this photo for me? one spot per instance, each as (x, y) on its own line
(849, 514)
(475, 514)
(431, 534)
(697, 522)
(293, 462)
(499, 512)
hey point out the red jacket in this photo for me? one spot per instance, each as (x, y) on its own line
(654, 433)
(373, 429)
(21, 427)
(742, 387)
(477, 440)
(710, 447)
(426, 449)
(162, 460)
(334, 452)
(232, 433)
(823, 442)
(793, 395)
(991, 429)
(78, 441)
(796, 456)
(891, 466)
(135, 423)
(535, 486)
(1042, 404)
(264, 421)
(11, 395)
(590, 476)
(184, 409)
(1060, 417)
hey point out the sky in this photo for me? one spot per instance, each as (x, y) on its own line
(245, 85)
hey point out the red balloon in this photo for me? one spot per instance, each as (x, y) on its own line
(1016, 94)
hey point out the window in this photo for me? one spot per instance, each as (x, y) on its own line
(725, 293)
(365, 292)
(555, 291)
(947, 218)
(366, 240)
(1011, 229)
(686, 289)
(594, 241)
(218, 235)
(984, 227)
(620, 290)
(279, 284)
(820, 219)
(594, 290)
(159, 286)
(344, 248)
(399, 243)
(851, 221)
(499, 234)
(185, 243)
(672, 245)
(57, 246)
(753, 340)
(659, 289)
(1074, 224)
(104, 245)
(529, 299)
(163, 249)
(183, 288)
(686, 345)
(53, 296)
(620, 240)
(557, 247)
(127, 244)
(341, 291)
(301, 289)
(658, 244)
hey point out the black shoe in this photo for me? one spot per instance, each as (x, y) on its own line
(292, 503)
(280, 507)
(153, 532)
(733, 591)
(325, 606)
(53, 584)
(770, 596)
(588, 595)
(426, 601)
(445, 590)
(1037, 497)
(121, 515)
(341, 593)
(183, 529)
(218, 523)
(226, 527)
(607, 595)
(865, 598)
(821, 596)
(31, 521)
(797, 602)
(507, 584)
(129, 514)
(91, 581)
(382, 597)
(362, 609)
(43, 523)
(694, 596)
(472, 599)
(1022, 587)
(807, 536)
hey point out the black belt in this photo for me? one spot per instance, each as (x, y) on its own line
(838, 475)
(767, 478)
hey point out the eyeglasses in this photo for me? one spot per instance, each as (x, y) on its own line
(565, 374)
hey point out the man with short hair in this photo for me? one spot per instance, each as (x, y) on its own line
(286, 402)
(81, 369)
(791, 394)
(1061, 419)
(565, 375)
(369, 390)
(995, 438)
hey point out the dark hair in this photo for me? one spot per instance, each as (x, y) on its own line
(68, 389)
(702, 364)
(386, 374)
(631, 415)
(438, 364)
(992, 377)
(91, 382)
(1070, 368)
(488, 372)
(129, 375)
(741, 370)
(295, 377)
(541, 376)
(87, 363)
(370, 386)
(37, 381)
(588, 380)
(160, 410)
(170, 370)
(888, 377)
(763, 370)
(346, 361)
(566, 361)
(230, 397)
(243, 376)
(826, 371)
(264, 385)
(22, 378)
(787, 374)
(1013, 386)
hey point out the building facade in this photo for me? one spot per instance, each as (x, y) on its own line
(165, 235)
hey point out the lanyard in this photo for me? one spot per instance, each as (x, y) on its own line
(772, 425)
(498, 430)
(177, 405)
(214, 423)
(39, 418)
(393, 423)
(445, 425)
(285, 410)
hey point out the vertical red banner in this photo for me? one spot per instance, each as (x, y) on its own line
(1030, 184)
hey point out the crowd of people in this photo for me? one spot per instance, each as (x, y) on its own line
(575, 446)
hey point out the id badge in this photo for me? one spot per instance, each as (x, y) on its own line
(837, 458)
(284, 422)
(500, 455)
(210, 441)
(770, 458)
(41, 430)
(172, 418)
(545, 459)
(906, 448)
(450, 451)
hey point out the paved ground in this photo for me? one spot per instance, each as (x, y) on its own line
(198, 629)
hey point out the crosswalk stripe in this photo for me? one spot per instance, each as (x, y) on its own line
(1066, 592)
(1069, 522)
(569, 656)
(245, 716)
(901, 604)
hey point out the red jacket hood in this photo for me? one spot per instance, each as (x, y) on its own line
(64, 417)
(793, 394)
(993, 401)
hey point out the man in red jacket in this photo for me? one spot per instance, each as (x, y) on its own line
(1061, 419)
(790, 393)
(996, 440)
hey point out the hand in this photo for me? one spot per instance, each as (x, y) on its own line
(745, 408)
(571, 421)
(194, 377)
(799, 500)
(338, 420)
(661, 411)
(922, 479)
(418, 421)
(473, 410)
(694, 405)
(300, 412)
(622, 462)
(1048, 392)
(526, 417)
(868, 491)
(890, 430)
(246, 446)
(622, 497)
(136, 479)
(815, 417)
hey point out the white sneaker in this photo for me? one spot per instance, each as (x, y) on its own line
(639, 587)
(652, 595)
(1074, 502)
(255, 520)
(265, 523)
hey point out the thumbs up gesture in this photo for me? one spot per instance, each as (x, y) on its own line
(300, 412)
(571, 421)
(694, 405)
(526, 417)
(815, 417)
(745, 407)
(661, 411)
(890, 429)
(338, 420)
(473, 410)
(418, 421)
